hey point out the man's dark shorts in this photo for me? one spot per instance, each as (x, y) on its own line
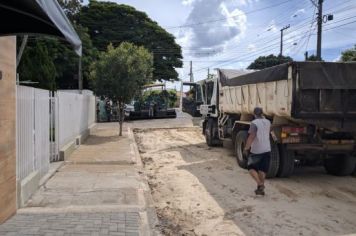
(259, 162)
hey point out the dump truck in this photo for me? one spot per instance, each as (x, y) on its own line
(311, 106)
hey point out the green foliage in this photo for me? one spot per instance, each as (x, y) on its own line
(60, 55)
(160, 97)
(109, 22)
(71, 8)
(38, 59)
(67, 61)
(60, 59)
(263, 62)
(121, 72)
(53, 63)
(349, 55)
(172, 97)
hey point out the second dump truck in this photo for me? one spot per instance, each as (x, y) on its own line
(311, 105)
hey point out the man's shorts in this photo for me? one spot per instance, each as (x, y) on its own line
(259, 162)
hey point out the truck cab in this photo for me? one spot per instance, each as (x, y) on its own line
(210, 91)
(193, 99)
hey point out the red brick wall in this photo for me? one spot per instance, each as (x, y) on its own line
(7, 127)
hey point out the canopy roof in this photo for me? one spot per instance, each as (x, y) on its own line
(37, 17)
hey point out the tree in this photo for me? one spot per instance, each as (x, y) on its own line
(37, 59)
(263, 62)
(349, 55)
(109, 22)
(59, 54)
(120, 73)
(66, 61)
(71, 8)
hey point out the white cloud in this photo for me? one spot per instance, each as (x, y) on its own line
(244, 2)
(187, 2)
(213, 23)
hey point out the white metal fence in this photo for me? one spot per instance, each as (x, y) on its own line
(46, 123)
(76, 112)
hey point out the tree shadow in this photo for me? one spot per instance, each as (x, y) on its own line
(97, 139)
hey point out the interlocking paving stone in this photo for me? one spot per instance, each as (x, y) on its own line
(100, 223)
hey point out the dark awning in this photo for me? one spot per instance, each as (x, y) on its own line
(37, 17)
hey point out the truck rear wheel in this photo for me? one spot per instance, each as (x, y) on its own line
(240, 142)
(286, 161)
(340, 165)
(273, 162)
(210, 133)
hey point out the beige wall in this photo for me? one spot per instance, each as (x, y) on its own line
(7, 127)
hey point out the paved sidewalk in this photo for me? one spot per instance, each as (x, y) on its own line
(100, 190)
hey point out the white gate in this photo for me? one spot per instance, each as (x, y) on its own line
(41, 131)
(25, 137)
(32, 131)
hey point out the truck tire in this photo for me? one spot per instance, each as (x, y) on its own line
(210, 134)
(340, 165)
(273, 162)
(286, 161)
(240, 142)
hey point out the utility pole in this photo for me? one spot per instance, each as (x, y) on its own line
(208, 73)
(283, 29)
(320, 28)
(320, 19)
(191, 72)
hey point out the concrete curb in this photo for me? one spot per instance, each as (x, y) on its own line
(29, 186)
(121, 163)
(150, 219)
(134, 148)
(170, 128)
(54, 167)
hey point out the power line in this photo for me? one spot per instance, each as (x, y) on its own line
(293, 30)
(310, 32)
(265, 49)
(307, 36)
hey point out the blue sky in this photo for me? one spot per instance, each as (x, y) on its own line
(232, 33)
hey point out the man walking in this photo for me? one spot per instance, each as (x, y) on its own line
(259, 142)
